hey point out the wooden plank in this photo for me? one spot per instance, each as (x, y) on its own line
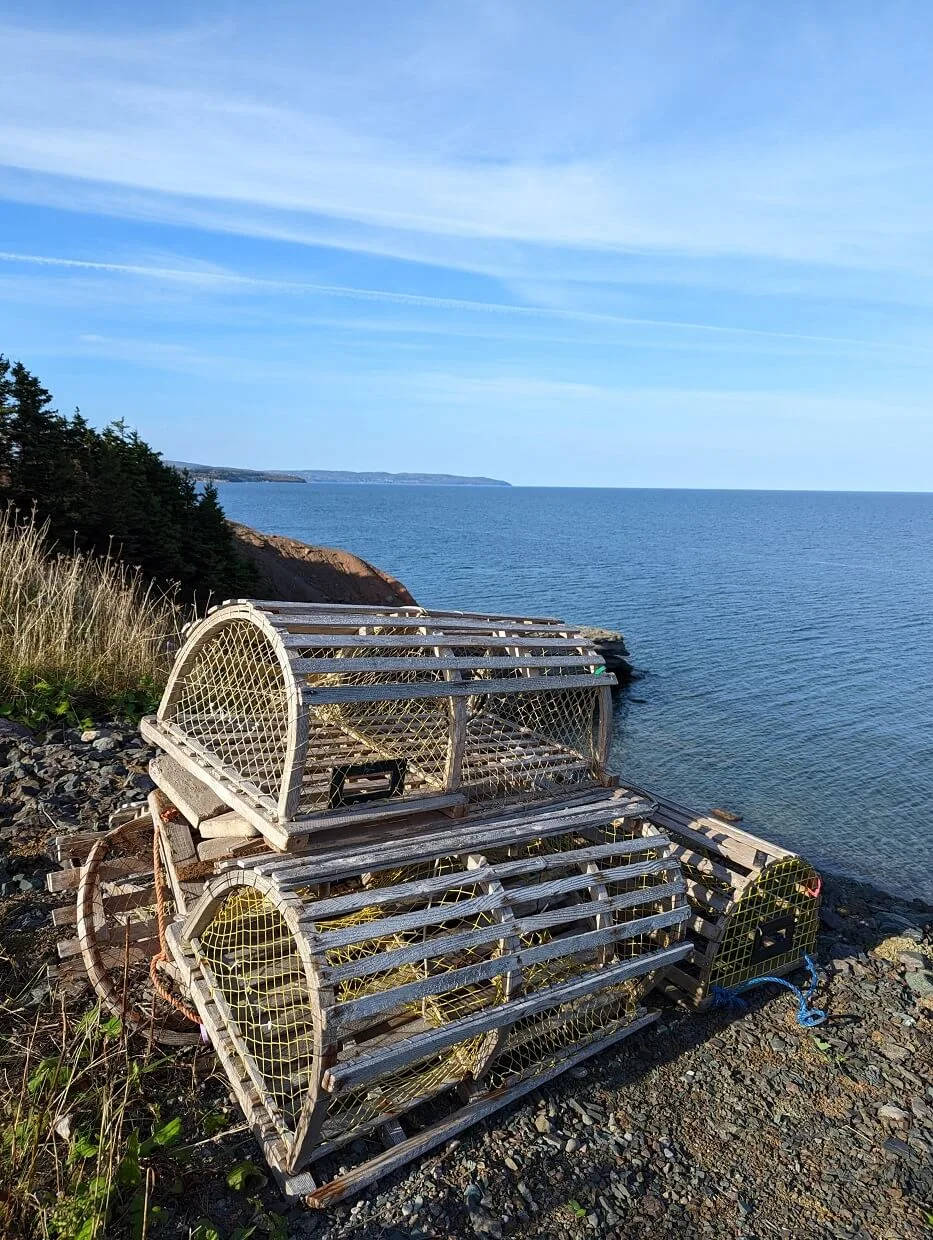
(708, 895)
(366, 1068)
(431, 613)
(443, 630)
(77, 846)
(703, 865)
(111, 904)
(118, 867)
(337, 666)
(472, 836)
(187, 792)
(445, 688)
(232, 793)
(326, 819)
(415, 920)
(227, 825)
(451, 944)
(355, 1010)
(459, 641)
(360, 1177)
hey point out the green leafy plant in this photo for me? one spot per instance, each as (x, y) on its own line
(81, 1123)
(245, 1177)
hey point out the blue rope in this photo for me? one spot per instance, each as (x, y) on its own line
(807, 1017)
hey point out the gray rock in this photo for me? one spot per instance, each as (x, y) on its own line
(921, 983)
(893, 1113)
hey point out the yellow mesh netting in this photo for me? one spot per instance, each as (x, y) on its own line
(254, 960)
(253, 957)
(780, 906)
(538, 1042)
(399, 1090)
(233, 701)
(413, 731)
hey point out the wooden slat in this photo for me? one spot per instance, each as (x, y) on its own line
(450, 945)
(337, 667)
(495, 831)
(367, 1067)
(187, 792)
(444, 628)
(433, 613)
(446, 688)
(120, 903)
(360, 1177)
(368, 1006)
(118, 867)
(459, 641)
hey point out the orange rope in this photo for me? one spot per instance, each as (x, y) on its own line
(161, 957)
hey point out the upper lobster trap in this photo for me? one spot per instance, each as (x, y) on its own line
(303, 715)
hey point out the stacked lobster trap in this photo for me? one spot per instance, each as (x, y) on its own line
(388, 872)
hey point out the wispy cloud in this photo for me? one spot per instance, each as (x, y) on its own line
(201, 278)
(236, 143)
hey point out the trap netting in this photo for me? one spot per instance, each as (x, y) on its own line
(302, 710)
(537, 743)
(229, 697)
(771, 925)
(612, 892)
(366, 750)
(350, 998)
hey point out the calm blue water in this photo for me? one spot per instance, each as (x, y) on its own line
(786, 638)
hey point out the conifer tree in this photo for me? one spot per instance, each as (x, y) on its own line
(109, 491)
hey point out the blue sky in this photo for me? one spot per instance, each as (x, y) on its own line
(650, 244)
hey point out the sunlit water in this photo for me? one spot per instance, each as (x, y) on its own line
(786, 638)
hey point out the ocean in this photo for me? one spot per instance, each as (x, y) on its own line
(784, 639)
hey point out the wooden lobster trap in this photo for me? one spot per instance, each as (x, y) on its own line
(347, 990)
(386, 869)
(388, 872)
(755, 906)
(304, 716)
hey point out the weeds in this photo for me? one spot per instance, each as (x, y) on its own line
(81, 1145)
(78, 633)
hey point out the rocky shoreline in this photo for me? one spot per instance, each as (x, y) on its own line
(723, 1125)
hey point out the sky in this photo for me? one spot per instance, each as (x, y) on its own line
(602, 244)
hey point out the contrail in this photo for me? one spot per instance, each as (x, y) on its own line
(438, 303)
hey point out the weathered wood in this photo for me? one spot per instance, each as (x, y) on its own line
(189, 794)
(320, 666)
(407, 691)
(401, 972)
(225, 826)
(471, 1113)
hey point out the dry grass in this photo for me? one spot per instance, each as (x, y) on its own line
(76, 628)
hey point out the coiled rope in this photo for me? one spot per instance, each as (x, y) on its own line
(90, 903)
(807, 1017)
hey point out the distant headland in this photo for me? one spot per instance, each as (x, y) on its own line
(224, 473)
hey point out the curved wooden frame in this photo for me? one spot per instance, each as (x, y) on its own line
(291, 628)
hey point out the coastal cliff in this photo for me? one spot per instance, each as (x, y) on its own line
(301, 573)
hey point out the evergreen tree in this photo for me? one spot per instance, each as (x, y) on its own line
(109, 491)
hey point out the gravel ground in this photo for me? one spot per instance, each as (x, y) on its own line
(720, 1125)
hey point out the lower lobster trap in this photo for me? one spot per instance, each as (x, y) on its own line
(754, 906)
(346, 990)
